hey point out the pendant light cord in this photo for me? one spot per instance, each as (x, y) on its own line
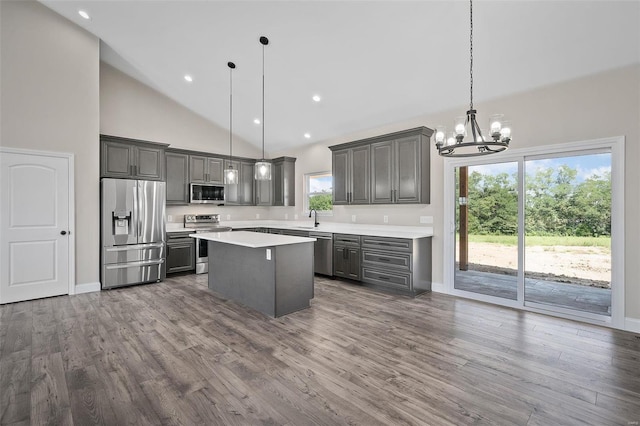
(263, 102)
(230, 113)
(471, 51)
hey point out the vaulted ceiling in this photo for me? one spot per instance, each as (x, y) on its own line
(372, 63)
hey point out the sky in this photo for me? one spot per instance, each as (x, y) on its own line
(586, 165)
(321, 184)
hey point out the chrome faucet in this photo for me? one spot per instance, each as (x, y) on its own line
(315, 218)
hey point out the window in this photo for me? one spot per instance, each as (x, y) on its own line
(318, 192)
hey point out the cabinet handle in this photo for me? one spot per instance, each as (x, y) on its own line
(380, 277)
(131, 170)
(383, 259)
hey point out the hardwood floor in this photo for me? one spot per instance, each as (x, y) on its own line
(174, 353)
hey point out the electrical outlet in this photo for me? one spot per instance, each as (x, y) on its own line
(353, 218)
(169, 218)
(385, 219)
(295, 217)
(257, 215)
(286, 216)
(426, 219)
(268, 254)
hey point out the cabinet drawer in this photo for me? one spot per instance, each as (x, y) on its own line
(346, 240)
(386, 244)
(386, 278)
(386, 259)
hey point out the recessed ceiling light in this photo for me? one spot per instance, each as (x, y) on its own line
(84, 14)
(256, 121)
(307, 135)
(316, 98)
(188, 78)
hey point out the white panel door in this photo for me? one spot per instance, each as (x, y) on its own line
(35, 226)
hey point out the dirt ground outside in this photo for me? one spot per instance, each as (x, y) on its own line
(590, 266)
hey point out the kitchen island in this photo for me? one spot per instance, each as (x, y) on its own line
(267, 272)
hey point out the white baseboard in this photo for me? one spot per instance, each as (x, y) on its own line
(632, 324)
(438, 288)
(87, 287)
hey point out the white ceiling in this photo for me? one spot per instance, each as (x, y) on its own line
(373, 63)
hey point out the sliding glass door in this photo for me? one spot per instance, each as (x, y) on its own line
(487, 229)
(568, 232)
(537, 229)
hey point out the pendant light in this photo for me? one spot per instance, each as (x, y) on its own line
(263, 168)
(454, 145)
(230, 174)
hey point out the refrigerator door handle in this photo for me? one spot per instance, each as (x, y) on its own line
(134, 247)
(135, 264)
(140, 206)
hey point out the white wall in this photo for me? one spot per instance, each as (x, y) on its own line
(597, 106)
(49, 102)
(131, 109)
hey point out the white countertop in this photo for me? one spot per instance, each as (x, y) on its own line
(389, 231)
(252, 239)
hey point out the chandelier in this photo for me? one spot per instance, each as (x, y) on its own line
(455, 145)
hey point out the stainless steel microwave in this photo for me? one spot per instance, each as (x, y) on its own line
(202, 193)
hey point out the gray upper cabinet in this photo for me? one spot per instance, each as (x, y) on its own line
(205, 169)
(388, 169)
(395, 171)
(351, 175)
(341, 178)
(177, 169)
(242, 192)
(131, 158)
(283, 175)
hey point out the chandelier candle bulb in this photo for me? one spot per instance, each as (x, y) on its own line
(495, 125)
(440, 134)
(505, 132)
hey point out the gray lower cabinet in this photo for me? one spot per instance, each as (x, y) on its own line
(351, 176)
(181, 252)
(204, 169)
(177, 170)
(241, 194)
(402, 265)
(131, 158)
(346, 256)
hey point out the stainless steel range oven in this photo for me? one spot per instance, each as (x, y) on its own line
(203, 223)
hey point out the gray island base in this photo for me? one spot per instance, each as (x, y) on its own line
(270, 273)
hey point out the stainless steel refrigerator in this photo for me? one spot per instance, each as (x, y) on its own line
(133, 232)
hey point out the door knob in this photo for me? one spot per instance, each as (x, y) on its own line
(63, 232)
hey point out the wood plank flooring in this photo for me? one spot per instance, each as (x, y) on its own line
(174, 353)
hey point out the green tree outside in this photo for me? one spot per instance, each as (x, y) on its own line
(321, 202)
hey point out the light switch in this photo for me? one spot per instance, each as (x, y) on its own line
(169, 218)
(268, 254)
